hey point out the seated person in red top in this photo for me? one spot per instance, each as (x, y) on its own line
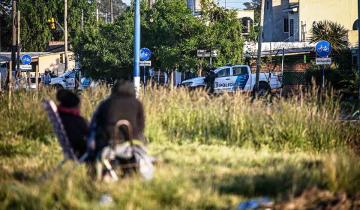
(75, 126)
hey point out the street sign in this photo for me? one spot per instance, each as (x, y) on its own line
(206, 54)
(26, 67)
(26, 59)
(323, 49)
(323, 61)
(145, 63)
(145, 54)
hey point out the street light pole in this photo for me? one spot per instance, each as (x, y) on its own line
(258, 61)
(66, 36)
(137, 47)
(358, 52)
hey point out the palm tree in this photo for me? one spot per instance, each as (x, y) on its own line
(332, 32)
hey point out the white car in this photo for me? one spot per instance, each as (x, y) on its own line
(235, 78)
(67, 81)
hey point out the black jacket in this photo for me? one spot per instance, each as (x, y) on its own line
(121, 105)
(76, 129)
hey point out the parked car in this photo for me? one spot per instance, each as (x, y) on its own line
(68, 79)
(236, 78)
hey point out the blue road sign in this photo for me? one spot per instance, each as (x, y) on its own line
(323, 49)
(145, 54)
(26, 59)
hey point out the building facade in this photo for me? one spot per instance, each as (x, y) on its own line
(292, 20)
(195, 6)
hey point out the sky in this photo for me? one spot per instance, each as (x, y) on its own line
(231, 4)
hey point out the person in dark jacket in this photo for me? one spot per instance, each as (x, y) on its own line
(122, 104)
(75, 126)
(210, 80)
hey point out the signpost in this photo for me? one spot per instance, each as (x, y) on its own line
(323, 50)
(323, 61)
(145, 63)
(145, 55)
(207, 54)
(26, 67)
(26, 59)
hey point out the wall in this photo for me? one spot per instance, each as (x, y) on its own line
(343, 12)
(274, 20)
(53, 63)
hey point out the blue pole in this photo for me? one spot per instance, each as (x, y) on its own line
(137, 46)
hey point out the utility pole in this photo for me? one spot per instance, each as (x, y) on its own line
(18, 45)
(136, 72)
(82, 19)
(13, 47)
(66, 35)
(111, 12)
(358, 55)
(258, 61)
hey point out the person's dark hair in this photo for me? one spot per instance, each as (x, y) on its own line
(67, 98)
(123, 87)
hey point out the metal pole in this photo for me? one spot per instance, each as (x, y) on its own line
(358, 56)
(137, 47)
(111, 12)
(82, 19)
(97, 11)
(18, 45)
(14, 36)
(323, 76)
(66, 35)
(282, 70)
(258, 61)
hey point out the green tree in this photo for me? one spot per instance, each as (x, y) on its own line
(106, 52)
(223, 33)
(5, 25)
(172, 32)
(35, 33)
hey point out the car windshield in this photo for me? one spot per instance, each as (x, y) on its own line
(67, 73)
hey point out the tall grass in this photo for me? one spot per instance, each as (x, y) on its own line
(204, 145)
(296, 124)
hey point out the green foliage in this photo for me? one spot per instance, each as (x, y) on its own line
(106, 51)
(173, 33)
(168, 29)
(222, 32)
(35, 32)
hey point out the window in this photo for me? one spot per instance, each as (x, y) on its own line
(240, 70)
(286, 25)
(224, 73)
(291, 27)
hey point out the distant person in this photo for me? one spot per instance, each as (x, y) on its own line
(75, 126)
(47, 78)
(210, 80)
(122, 104)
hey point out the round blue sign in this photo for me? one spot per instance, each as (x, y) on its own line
(323, 49)
(26, 59)
(145, 54)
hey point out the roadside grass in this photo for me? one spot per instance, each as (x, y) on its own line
(214, 152)
(189, 176)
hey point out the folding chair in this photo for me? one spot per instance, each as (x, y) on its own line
(51, 110)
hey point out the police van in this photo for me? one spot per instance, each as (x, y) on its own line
(236, 78)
